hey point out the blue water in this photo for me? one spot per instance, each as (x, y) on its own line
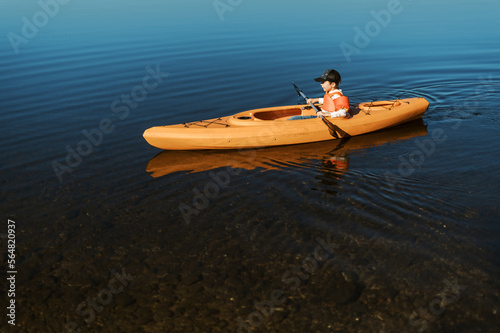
(411, 209)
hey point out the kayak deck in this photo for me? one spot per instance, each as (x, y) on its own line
(272, 127)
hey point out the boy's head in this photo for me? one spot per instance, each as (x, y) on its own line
(330, 75)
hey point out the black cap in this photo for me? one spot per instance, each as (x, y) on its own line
(329, 75)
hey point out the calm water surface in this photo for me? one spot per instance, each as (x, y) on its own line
(396, 231)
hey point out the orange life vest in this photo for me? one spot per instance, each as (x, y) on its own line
(331, 105)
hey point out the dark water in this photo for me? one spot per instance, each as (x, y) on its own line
(396, 231)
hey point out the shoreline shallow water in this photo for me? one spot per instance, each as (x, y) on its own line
(394, 231)
(395, 252)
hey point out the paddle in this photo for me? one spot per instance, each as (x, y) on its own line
(335, 131)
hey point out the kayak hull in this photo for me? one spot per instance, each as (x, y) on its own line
(277, 158)
(269, 127)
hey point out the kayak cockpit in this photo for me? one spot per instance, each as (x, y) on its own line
(268, 114)
(258, 116)
(277, 114)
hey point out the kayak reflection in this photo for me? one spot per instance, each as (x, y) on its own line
(333, 154)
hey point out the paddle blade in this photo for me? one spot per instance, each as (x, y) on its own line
(299, 92)
(297, 89)
(334, 130)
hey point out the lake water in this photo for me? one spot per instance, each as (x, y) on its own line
(394, 231)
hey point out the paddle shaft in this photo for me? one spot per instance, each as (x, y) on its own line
(305, 98)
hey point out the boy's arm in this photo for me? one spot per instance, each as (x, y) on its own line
(313, 100)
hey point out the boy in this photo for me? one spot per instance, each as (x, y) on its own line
(334, 103)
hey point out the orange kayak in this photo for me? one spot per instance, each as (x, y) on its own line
(271, 126)
(277, 158)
